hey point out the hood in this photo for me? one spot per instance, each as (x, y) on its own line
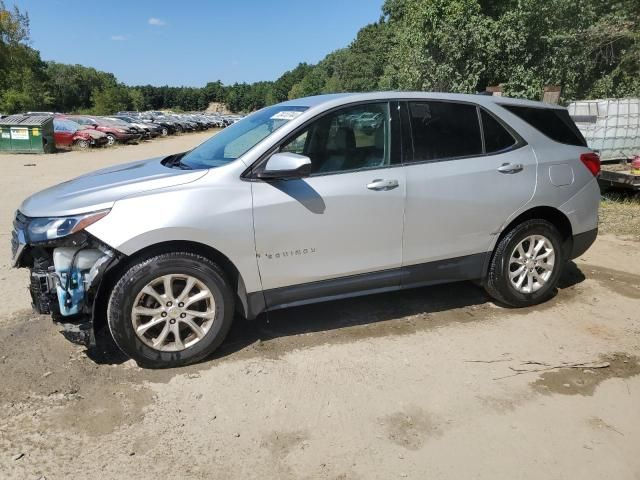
(101, 189)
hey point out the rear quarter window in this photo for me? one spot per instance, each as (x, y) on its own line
(555, 124)
(496, 138)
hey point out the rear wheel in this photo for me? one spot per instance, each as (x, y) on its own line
(165, 131)
(170, 310)
(526, 264)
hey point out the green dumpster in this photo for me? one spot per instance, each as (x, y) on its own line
(27, 134)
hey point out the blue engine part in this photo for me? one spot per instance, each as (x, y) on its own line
(72, 265)
(71, 297)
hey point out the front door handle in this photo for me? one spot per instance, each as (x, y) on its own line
(510, 168)
(380, 184)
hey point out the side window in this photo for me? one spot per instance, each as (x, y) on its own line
(297, 145)
(354, 138)
(496, 137)
(554, 123)
(444, 130)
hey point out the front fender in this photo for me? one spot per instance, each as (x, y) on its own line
(217, 216)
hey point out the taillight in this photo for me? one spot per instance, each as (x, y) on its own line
(591, 160)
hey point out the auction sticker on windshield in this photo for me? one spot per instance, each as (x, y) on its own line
(286, 115)
(20, 134)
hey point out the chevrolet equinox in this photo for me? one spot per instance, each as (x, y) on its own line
(309, 200)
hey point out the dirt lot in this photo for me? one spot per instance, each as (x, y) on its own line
(432, 383)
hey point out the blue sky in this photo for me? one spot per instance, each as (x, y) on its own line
(190, 42)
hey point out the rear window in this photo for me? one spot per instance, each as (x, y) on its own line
(444, 130)
(555, 124)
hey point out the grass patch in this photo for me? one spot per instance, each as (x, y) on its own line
(620, 215)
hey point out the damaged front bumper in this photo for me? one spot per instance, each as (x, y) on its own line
(65, 275)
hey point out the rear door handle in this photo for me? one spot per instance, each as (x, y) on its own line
(380, 184)
(510, 168)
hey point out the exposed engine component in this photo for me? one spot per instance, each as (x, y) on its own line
(73, 276)
(65, 279)
(43, 293)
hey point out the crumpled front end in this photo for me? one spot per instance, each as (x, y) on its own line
(65, 275)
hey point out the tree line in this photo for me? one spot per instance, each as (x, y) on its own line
(591, 48)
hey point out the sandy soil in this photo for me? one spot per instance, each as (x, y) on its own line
(431, 383)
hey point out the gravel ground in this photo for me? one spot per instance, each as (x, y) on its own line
(435, 382)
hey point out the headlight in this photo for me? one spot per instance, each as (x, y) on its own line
(45, 229)
(120, 130)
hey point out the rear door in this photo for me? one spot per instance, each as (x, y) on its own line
(467, 174)
(62, 133)
(345, 219)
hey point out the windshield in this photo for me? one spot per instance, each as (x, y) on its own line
(237, 139)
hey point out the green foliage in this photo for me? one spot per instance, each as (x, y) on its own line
(22, 75)
(591, 48)
(283, 85)
(111, 99)
(72, 86)
(439, 45)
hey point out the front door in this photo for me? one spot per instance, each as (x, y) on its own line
(342, 221)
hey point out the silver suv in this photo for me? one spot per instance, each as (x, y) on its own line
(313, 199)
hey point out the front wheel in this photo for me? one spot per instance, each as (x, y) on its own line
(83, 144)
(111, 139)
(526, 264)
(170, 310)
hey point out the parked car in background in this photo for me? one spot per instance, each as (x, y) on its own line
(153, 129)
(114, 133)
(184, 124)
(217, 121)
(68, 134)
(143, 130)
(169, 126)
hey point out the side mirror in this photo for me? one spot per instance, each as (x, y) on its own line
(286, 165)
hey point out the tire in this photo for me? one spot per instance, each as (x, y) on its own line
(83, 144)
(506, 262)
(111, 140)
(193, 346)
(165, 131)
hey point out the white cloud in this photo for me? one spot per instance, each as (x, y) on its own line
(119, 38)
(157, 22)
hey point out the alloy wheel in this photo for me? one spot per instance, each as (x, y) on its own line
(531, 264)
(173, 312)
